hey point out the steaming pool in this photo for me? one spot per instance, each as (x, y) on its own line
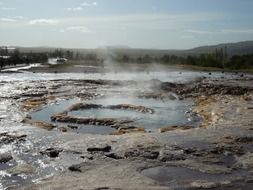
(166, 113)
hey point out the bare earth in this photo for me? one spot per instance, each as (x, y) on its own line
(221, 149)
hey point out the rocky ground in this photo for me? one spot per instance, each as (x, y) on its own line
(216, 155)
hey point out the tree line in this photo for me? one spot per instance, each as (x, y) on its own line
(218, 59)
(14, 58)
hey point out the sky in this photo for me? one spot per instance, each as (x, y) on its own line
(158, 24)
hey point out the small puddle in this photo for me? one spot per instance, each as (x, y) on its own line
(179, 177)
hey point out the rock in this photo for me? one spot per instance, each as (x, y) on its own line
(115, 123)
(83, 106)
(5, 157)
(113, 156)
(35, 94)
(169, 155)
(173, 128)
(189, 150)
(72, 126)
(136, 108)
(90, 157)
(246, 161)
(172, 97)
(203, 184)
(34, 103)
(43, 125)
(100, 149)
(246, 139)
(21, 169)
(75, 168)
(52, 152)
(148, 154)
(125, 130)
(82, 167)
(224, 149)
(6, 138)
(152, 95)
(168, 86)
(63, 129)
(247, 98)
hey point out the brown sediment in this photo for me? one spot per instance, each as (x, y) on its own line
(136, 108)
(126, 130)
(115, 123)
(174, 127)
(35, 103)
(43, 125)
(205, 109)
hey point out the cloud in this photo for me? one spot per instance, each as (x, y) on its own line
(167, 19)
(221, 31)
(83, 29)
(75, 9)
(201, 32)
(7, 20)
(86, 4)
(43, 22)
(237, 31)
(8, 8)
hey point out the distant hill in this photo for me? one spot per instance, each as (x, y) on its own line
(239, 48)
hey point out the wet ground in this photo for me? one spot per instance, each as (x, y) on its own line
(167, 131)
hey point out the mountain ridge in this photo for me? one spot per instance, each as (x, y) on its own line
(237, 48)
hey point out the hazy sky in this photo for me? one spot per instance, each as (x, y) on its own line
(163, 24)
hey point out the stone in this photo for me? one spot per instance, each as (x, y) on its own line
(75, 168)
(111, 122)
(82, 106)
(44, 125)
(246, 161)
(21, 169)
(100, 149)
(72, 126)
(63, 129)
(6, 138)
(203, 184)
(114, 156)
(51, 152)
(136, 108)
(173, 128)
(169, 155)
(172, 97)
(148, 154)
(126, 130)
(5, 157)
(246, 139)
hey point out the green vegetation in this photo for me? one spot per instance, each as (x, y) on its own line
(218, 60)
(14, 58)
